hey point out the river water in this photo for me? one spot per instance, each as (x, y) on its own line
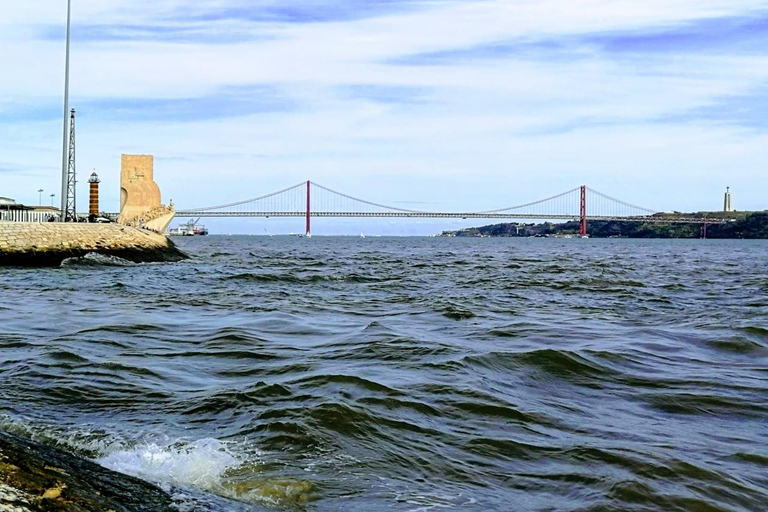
(405, 374)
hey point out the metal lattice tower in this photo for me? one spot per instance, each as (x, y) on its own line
(70, 210)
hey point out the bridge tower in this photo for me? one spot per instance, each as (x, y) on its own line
(583, 212)
(308, 233)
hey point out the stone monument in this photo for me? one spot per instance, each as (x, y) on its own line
(140, 203)
(727, 206)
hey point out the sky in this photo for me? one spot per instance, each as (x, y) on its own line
(451, 105)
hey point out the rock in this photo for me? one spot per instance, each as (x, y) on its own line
(35, 477)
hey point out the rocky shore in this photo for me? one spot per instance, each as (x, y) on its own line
(35, 477)
(48, 244)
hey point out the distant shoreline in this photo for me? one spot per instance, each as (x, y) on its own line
(753, 225)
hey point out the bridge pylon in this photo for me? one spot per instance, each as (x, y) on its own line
(309, 212)
(583, 212)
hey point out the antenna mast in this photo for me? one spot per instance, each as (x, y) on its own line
(70, 210)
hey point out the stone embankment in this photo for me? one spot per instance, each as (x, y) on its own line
(154, 219)
(48, 244)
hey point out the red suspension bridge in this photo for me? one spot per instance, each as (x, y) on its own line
(308, 199)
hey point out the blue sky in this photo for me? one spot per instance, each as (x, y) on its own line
(455, 104)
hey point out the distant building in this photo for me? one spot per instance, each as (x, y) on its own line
(727, 207)
(11, 211)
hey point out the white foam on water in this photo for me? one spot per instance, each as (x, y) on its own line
(200, 464)
(181, 467)
(206, 465)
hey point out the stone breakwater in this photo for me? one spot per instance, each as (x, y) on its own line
(48, 244)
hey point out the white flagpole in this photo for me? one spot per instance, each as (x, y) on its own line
(65, 142)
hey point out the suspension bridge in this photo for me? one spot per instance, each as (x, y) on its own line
(309, 199)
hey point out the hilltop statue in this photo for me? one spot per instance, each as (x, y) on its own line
(727, 206)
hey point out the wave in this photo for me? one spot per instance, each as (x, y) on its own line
(457, 313)
(9, 341)
(131, 329)
(758, 332)
(739, 346)
(384, 345)
(347, 380)
(200, 463)
(223, 468)
(185, 468)
(294, 279)
(550, 362)
(94, 259)
(701, 404)
(257, 394)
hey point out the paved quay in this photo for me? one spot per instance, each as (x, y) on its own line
(48, 244)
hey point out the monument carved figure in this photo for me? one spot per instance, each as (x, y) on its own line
(140, 199)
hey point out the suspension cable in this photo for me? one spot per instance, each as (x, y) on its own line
(366, 202)
(500, 210)
(238, 203)
(623, 203)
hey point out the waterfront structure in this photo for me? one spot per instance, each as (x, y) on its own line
(50, 243)
(11, 211)
(727, 206)
(93, 199)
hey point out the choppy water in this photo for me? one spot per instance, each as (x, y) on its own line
(406, 374)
